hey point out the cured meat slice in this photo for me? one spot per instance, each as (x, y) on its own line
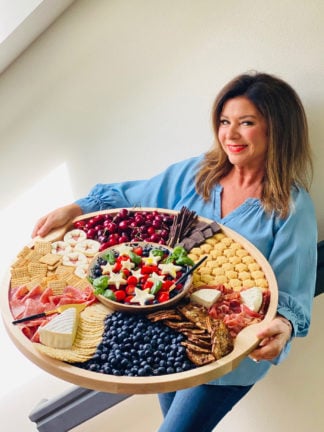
(24, 303)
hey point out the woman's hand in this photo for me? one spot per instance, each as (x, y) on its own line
(273, 339)
(56, 219)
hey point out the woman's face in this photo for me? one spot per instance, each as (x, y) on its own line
(243, 133)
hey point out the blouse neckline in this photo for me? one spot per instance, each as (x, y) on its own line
(238, 210)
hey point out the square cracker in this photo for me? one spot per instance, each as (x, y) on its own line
(37, 269)
(50, 259)
(43, 247)
(19, 272)
(18, 282)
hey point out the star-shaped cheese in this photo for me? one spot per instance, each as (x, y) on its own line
(116, 279)
(170, 269)
(151, 259)
(142, 296)
(126, 264)
(137, 273)
(156, 278)
(123, 249)
(107, 268)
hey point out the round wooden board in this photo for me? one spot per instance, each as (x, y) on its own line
(245, 342)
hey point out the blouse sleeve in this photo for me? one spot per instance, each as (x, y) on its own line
(294, 258)
(162, 191)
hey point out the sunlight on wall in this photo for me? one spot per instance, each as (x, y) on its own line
(16, 224)
(13, 13)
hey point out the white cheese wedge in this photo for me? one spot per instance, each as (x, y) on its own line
(205, 296)
(252, 298)
(60, 331)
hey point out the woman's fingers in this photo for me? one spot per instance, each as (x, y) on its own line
(272, 340)
(56, 219)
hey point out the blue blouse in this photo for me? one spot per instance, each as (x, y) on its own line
(290, 245)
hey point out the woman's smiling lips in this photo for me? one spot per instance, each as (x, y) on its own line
(236, 148)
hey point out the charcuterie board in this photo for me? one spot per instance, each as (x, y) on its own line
(231, 248)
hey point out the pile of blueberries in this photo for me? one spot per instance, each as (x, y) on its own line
(134, 346)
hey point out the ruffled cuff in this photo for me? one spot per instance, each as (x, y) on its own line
(102, 197)
(295, 313)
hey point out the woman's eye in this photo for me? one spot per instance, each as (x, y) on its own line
(247, 123)
(224, 122)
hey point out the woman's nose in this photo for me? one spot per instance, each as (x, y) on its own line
(233, 131)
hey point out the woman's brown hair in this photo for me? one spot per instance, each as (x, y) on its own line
(289, 161)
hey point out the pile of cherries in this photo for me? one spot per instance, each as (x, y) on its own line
(126, 226)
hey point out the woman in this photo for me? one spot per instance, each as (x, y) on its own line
(254, 180)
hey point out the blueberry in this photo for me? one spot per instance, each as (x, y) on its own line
(103, 357)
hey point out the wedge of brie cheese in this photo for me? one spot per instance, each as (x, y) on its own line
(60, 331)
(252, 298)
(205, 296)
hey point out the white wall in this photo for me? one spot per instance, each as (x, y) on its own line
(119, 89)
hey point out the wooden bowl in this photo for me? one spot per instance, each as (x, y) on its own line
(135, 307)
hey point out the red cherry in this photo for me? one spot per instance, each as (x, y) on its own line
(139, 220)
(164, 234)
(79, 224)
(99, 227)
(123, 225)
(150, 230)
(156, 223)
(98, 218)
(102, 239)
(155, 238)
(105, 246)
(168, 220)
(91, 233)
(123, 213)
(112, 227)
(113, 239)
(106, 223)
(123, 238)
